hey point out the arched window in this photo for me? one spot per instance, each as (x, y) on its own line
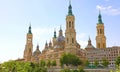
(98, 45)
(67, 40)
(100, 31)
(69, 23)
(72, 25)
(72, 40)
(104, 45)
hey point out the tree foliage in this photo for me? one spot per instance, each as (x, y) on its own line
(14, 66)
(105, 62)
(70, 59)
(117, 61)
(42, 63)
(80, 69)
(48, 63)
(87, 63)
(53, 63)
(96, 63)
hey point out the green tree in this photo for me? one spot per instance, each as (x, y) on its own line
(117, 61)
(42, 63)
(80, 69)
(48, 63)
(66, 70)
(105, 62)
(87, 63)
(15, 66)
(96, 63)
(70, 59)
(53, 63)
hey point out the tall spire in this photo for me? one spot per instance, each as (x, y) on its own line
(70, 8)
(100, 18)
(37, 47)
(55, 33)
(29, 31)
(89, 41)
(60, 31)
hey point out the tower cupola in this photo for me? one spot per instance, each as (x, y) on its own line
(70, 8)
(29, 31)
(100, 18)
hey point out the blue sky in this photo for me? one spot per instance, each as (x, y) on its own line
(47, 15)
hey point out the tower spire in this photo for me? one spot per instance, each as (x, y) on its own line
(60, 31)
(70, 8)
(29, 31)
(69, 2)
(54, 33)
(89, 41)
(100, 18)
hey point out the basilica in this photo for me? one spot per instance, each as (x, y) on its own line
(68, 44)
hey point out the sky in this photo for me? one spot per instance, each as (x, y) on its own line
(47, 15)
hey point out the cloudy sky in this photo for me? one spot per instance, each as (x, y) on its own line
(47, 15)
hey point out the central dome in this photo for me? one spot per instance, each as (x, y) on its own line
(60, 38)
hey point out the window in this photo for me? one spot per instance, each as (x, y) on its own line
(72, 40)
(72, 25)
(67, 40)
(100, 31)
(69, 23)
(98, 45)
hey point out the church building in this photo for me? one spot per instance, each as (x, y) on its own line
(68, 44)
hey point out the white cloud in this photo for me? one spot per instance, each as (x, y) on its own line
(109, 10)
(82, 39)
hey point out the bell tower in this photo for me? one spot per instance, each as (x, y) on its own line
(29, 46)
(70, 33)
(100, 38)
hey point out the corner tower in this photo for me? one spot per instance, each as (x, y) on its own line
(70, 33)
(28, 46)
(100, 38)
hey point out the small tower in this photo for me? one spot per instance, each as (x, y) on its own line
(54, 38)
(28, 46)
(70, 33)
(46, 45)
(50, 44)
(89, 46)
(100, 38)
(36, 54)
(60, 32)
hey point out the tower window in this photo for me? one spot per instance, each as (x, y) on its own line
(69, 23)
(72, 25)
(98, 45)
(67, 40)
(72, 40)
(104, 45)
(100, 31)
